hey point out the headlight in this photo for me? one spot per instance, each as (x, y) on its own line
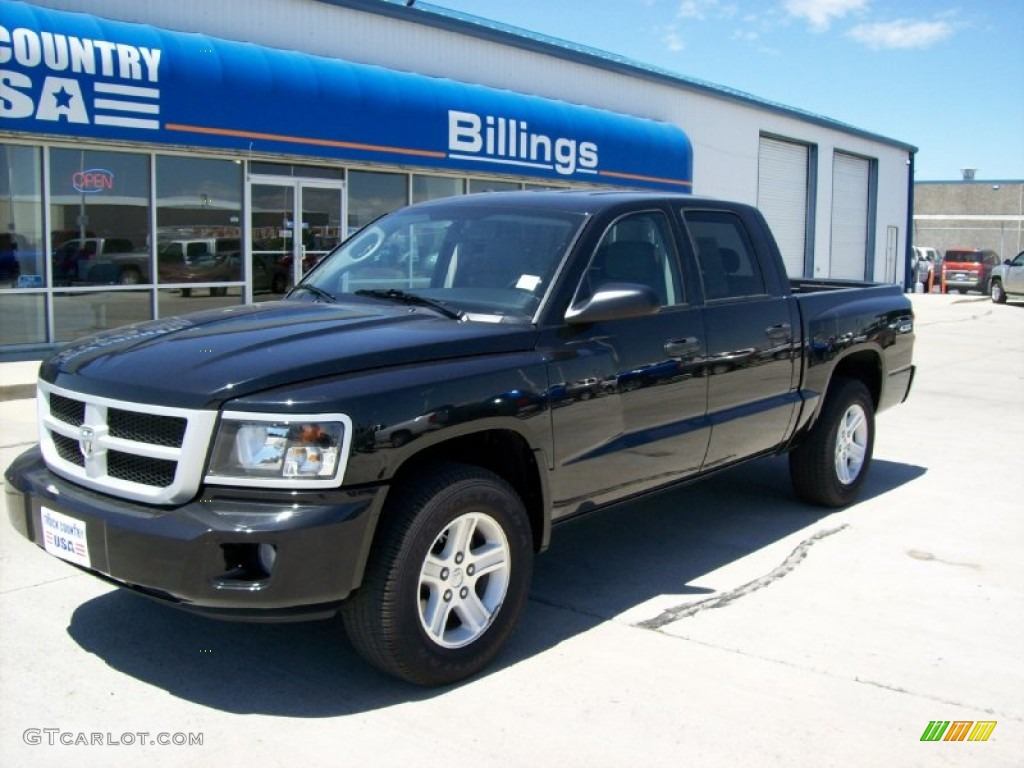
(268, 450)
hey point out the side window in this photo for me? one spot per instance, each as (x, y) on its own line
(728, 264)
(637, 249)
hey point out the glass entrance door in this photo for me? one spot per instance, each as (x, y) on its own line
(293, 223)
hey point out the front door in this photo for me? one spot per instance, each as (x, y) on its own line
(627, 397)
(293, 223)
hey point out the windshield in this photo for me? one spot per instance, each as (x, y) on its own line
(472, 259)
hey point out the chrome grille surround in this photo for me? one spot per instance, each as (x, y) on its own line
(149, 453)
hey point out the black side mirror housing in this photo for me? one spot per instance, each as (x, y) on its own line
(614, 301)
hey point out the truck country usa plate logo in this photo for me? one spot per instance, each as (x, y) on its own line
(64, 537)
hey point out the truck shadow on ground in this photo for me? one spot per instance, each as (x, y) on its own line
(598, 566)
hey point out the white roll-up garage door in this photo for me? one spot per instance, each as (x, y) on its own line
(782, 196)
(851, 179)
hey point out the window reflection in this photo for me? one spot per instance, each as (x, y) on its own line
(433, 187)
(21, 216)
(84, 312)
(490, 185)
(99, 217)
(199, 216)
(372, 194)
(179, 301)
(23, 318)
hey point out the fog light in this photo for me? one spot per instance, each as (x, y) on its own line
(267, 554)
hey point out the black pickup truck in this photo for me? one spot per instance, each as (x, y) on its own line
(395, 439)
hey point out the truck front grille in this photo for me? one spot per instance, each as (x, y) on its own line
(67, 410)
(158, 473)
(68, 449)
(147, 428)
(137, 451)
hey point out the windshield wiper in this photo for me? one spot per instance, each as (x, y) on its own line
(394, 294)
(320, 293)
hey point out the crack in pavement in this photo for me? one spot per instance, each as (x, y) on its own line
(671, 615)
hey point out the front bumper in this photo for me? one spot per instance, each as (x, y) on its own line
(202, 555)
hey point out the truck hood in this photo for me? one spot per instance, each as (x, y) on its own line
(203, 359)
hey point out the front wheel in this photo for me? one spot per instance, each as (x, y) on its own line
(997, 292)
(830, 465)
(448, 577)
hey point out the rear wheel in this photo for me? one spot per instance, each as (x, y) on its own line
(830, 465)
(448, 577)
(997, 292)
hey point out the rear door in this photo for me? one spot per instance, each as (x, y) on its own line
(751, 340)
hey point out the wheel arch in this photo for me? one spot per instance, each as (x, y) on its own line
(866, 367)
(504, 452)
(863, 365)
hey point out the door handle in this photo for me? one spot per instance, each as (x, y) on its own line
(779, 331)
(687, 347)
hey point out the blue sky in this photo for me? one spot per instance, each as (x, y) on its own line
(946, 77)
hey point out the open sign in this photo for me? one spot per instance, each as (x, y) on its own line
(93, 180)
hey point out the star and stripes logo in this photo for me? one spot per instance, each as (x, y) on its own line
(55, 77)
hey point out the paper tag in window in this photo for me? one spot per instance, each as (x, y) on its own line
(528, 282)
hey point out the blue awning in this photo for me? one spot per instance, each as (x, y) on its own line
(77, 75)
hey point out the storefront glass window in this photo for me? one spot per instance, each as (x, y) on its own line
(22, 267)
(291, 169)
(99, 217)
(433, 187)
(372, 194)
(199, 221)
(81, 313)
(490, 185)
(22, 317)
(179, 301)
(21, 218)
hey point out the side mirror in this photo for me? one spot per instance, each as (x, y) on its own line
(614, 301)
(1007, 263)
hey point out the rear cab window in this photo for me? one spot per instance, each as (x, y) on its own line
(729, 265)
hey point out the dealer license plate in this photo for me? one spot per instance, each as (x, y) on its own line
(64, 537)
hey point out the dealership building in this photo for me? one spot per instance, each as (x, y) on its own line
(164, 157)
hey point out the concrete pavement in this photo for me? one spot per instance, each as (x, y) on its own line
(719, 625)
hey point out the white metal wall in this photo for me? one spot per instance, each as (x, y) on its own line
(725, 133)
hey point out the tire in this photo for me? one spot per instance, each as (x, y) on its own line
(447, 579)
(131, 277)
(997, 293)
(830, 465)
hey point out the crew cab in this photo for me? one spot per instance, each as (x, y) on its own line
(1007, 280)
(397, 438)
